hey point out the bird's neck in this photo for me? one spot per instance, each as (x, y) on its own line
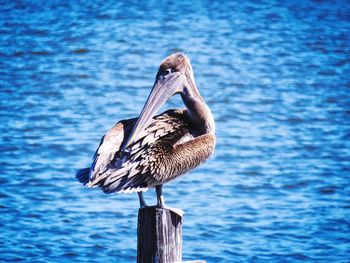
(199, 113)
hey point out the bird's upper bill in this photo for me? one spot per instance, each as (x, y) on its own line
(174, 76)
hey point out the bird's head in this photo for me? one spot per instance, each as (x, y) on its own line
(175, 76)
(177, 62)
(176, 66)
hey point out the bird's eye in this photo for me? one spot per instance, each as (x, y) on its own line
(167, 71)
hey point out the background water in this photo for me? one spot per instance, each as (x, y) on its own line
(277, 78)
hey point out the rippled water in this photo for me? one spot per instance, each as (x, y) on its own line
(276, 77)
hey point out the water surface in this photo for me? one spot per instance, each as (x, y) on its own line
(276, 77)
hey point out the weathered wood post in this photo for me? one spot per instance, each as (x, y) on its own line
(159, 235)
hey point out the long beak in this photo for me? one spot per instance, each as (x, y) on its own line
(163, 89)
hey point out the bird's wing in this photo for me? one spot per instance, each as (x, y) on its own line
(137, 171)
(110, 146)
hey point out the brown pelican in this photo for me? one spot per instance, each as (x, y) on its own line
(148, 151)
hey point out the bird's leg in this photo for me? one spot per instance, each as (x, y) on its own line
(161, 204)
(141, 199)
(160, 198)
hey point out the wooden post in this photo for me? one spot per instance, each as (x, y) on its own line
(159, 235)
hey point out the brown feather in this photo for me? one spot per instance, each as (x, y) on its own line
(166, 151)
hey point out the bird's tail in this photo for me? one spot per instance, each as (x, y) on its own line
(110, 180)
(82, 175)
(118, 180)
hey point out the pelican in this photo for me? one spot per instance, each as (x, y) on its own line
(151, 150)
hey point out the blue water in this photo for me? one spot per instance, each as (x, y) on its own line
(276, 75)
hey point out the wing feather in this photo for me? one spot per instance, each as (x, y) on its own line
(135, 172)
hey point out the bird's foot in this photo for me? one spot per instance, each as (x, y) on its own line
(160, 202)
(161, 205)
(143, 206)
